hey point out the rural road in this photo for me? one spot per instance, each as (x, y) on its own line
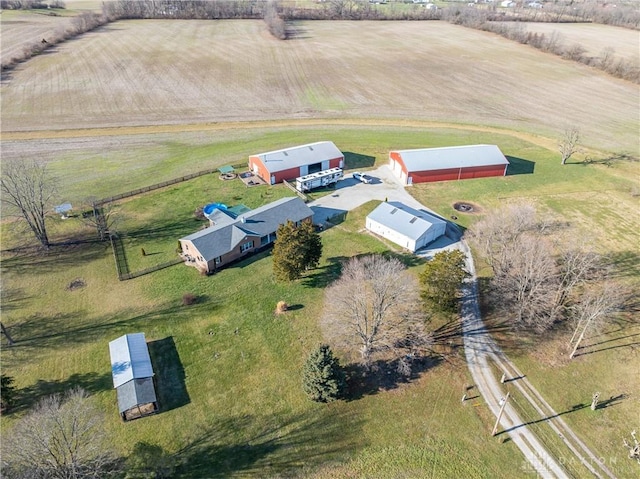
(480, 349)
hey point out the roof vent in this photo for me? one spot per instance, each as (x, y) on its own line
(413, 220)
(393, 211)
(243, 219)
(285, 153)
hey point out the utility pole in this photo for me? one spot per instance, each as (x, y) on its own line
(594, 402)
(503, 402)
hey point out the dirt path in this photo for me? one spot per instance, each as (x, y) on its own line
(197, 127)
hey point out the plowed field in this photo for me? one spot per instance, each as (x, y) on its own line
(133, 73)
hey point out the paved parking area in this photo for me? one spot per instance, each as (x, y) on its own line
(351, 193)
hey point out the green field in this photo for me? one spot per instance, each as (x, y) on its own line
(140, 102)
(237, 408)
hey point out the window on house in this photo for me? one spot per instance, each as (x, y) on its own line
(264, 240)
(218, 260)
(246, 246)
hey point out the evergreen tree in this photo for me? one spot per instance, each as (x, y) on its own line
(7, 392)
(323, 378)
(441, 279)
(296, 249)
(311, 245)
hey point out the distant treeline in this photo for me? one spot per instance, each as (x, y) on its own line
(30, 4)
(560, 11)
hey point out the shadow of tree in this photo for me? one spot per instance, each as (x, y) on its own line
(91, 382)
(322, 276)
(627, 263)
(38, 332)
(169, 374)
(57, 257)
(267, 447)
(383, 375)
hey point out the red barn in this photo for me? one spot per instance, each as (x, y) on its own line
(450, 163)
(290, 163)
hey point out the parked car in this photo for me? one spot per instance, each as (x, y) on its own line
(362, 177)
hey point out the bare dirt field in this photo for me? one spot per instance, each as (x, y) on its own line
(595, 38)
(21, 29)
(159, 73)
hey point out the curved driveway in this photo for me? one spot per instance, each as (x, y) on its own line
(480, 349)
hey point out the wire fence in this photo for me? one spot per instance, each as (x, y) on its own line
(117, 244)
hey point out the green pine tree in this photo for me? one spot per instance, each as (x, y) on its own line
(7, 392)
(296, 249)
(323, 378)
(441, 279)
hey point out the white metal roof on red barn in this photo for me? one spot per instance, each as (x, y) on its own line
(467, 156)
(297, 156)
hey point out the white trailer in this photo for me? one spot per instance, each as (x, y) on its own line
(319, 179)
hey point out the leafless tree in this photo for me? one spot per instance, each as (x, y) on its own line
(568, 145)
(495, 234)
(578, 265)
(27, 191)
(532, 282)
(526, 285)
(374, 307)
(62, 437)
(101, 216)
(597, 303)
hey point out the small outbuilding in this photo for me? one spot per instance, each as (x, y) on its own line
(407, 227)
(290, 163)
(133, 376)
(449, 163)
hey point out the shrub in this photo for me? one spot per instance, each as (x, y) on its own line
(323, 378)
(281, 307)
(189, 299)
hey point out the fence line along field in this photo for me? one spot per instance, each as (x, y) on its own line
(171, 72)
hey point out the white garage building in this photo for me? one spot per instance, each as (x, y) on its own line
(409, 228)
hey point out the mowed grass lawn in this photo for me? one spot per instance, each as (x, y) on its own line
(230, 377)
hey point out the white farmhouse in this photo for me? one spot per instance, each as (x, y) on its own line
(405, 226)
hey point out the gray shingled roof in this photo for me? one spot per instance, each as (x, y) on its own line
(297, 156)
(452, 157)
(220, 239)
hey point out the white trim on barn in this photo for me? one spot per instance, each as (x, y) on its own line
(409, 228)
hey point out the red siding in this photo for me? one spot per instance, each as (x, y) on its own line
(290, 174)
(482, 171)
(457, 174)
(335, 162)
